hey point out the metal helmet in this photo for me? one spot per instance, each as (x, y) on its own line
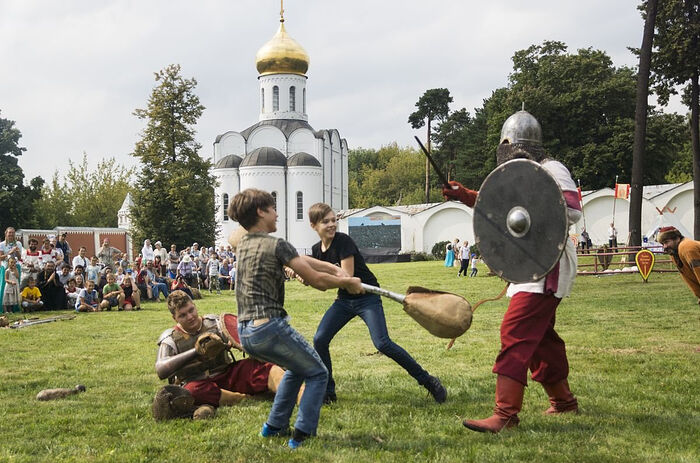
(521, 137)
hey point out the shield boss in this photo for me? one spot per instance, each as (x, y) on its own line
(520, 221)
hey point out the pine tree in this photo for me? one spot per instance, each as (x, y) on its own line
(174, 197)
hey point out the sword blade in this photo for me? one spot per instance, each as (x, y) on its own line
(437, 170)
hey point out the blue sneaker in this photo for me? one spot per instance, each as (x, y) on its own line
(294, 444)
(269, 431)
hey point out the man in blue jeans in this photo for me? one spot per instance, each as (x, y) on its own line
(263, 324)
(338, 249)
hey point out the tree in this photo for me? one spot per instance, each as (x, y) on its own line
(16, 198)
(84, 198)
(432, 106)
(640, 126)
(174, 198)
(676, 62)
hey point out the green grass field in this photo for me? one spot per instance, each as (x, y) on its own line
(632, 351)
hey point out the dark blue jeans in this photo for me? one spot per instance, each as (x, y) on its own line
(369, 309)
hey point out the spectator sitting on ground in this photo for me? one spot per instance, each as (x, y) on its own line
(31, 297)
(64, 275)
(179, 283)
(51, 288)
(93, 270)
(81, 258)
(103, 280)
(138, 263)
(158, 284)
(112, 294)
(158, 269)
(72, 293)
(224, 277)
(132, 296)
(79, 270)
(142, 284)
(120, 274)
(79, 281)
(88, 299)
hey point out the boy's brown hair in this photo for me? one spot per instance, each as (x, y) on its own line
(244, 206)
(318, 211)
(177, 300)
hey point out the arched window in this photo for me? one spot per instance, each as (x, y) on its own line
(274, 195)
(292, 98)
(303, 101)
(300, 205)
(225, 202)
(262, 100)
(275, 98)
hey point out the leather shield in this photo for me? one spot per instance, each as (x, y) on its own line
(228, 326)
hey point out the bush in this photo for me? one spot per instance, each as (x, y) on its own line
(421, 256)
(439, 249)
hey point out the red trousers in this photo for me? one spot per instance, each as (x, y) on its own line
(247, 376)
(528, 340)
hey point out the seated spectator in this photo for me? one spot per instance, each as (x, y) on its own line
(112, 294)
(179, 283)
(31, 297)
(120, 275)
(141, 284)
(81, 258)
(132, 296)
(138, 263)
(88, 299)
(72, 293)
(224, 275)
(79, 270)
(93, 270)
(64, 275)
(79, 282)
(158, 284)
(186, 269)
(124, 261)
(51, 288)
(158, 268)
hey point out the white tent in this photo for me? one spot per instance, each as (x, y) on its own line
(665, 220)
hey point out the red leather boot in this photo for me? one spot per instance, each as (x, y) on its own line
(561, 398)
(509, 401)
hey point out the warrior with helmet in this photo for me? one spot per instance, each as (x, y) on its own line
(528, 338)
(194, 354)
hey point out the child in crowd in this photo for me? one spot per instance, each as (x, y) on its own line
(120, 275)
(232, 274)
(31, 296)
(87, 299)
(213, 272)
(338, 249)
(79, 282)
(72, 293)
(132, 298)
(263, 324)
(474, 269)
(11, 300)
(93, 270)
(64, 275)
(112, 294)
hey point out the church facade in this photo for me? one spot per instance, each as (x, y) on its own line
(282, 153)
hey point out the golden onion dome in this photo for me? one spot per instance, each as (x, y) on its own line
(282, 55)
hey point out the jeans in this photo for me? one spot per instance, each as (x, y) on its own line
(157, 288)
(369, 308)
(279, 343)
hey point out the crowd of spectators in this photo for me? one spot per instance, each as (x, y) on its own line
(48, 277)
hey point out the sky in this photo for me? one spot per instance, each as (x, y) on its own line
(72, 72)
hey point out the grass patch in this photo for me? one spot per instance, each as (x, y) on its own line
(632, 351)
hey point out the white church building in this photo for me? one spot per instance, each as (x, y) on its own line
(282, 153)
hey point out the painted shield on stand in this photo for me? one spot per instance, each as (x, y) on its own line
(520, 221)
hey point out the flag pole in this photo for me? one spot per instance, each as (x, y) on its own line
(614, 201)
(581, 201)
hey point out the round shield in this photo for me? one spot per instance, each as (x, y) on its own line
(520, 221)
(228, 325)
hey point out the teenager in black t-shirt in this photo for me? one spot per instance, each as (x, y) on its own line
(339, 249)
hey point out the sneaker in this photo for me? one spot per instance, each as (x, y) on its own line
(436, 389)
(329, 398)
(297, 439)
(269, 431)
